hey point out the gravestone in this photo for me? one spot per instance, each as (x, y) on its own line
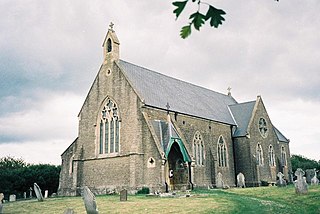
(301, 184)
(37, 190)
(241, 180)
(46, 194)
(220, 183)
(25, 195)
(315, 180)
(1, 198)
(309, 175)
(281, 182)
(89, 201)
(30, 189)
(123, 195)
(12, 197)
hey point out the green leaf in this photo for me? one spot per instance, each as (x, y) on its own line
(180, 6)
(197, 19)
(185, 31)
(215, 15)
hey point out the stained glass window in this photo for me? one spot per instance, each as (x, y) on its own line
(198, 149)
(109, 129)
(222, 153)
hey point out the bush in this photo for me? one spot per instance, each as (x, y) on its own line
(143, 191)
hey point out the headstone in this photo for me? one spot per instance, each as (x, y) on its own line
(89, 201)
(123, 195)
(301, 184)
(37, 190)
(241, 180)
(1, 198)
(69, 211)
(46, 194)
(281, 182)
(12, 197)
(220, 183)
(309, 175)
(25, 195)
(315, 180)
(30, 189)
(53, 195)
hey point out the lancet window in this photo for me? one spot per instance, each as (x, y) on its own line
(272, 161)
(198, 149)
(109, 128)
(283, 156)
(222, 153)
(259, 155)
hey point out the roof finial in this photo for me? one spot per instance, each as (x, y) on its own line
(111, 26)
(168, 106)
(229, 91)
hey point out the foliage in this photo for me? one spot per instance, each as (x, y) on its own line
(17, 176)
(235, 200)
(144, 190)
(298, 161)
(197, 19)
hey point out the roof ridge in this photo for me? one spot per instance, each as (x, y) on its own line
(253, 101)
(183, 81)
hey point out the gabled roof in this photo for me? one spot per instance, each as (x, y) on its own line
(242, 113)
(157, 90)
(280, 136)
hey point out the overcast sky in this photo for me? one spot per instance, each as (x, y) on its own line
(50, 52)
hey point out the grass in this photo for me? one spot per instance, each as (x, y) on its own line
(248, 200)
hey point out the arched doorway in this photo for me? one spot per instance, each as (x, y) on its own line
(178, 168)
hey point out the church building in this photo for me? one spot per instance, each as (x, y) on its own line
(139, 128)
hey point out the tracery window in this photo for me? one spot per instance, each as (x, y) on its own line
(272, 161)
(222, 153)
(259, 155)
(109, 128)
(198, 149)
(263, 128)
(283, 156)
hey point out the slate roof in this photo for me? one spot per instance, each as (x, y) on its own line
(242, 113)
(157, 90)
(280, 136)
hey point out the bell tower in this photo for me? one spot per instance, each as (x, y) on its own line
(110, 46)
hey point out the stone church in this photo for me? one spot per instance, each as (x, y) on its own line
(139, 128)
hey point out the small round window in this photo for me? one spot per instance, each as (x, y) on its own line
(263, 128)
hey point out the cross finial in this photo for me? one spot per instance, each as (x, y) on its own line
(111, 26)
(168, 106)
(229, 91)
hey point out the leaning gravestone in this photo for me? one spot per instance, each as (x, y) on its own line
(12, 197)
(301, 184)
(241, 180)
(123, 195)
(37, 190)
(315, 180)
(220, 183)
(1, 198)
(89, 201)
(281, 182)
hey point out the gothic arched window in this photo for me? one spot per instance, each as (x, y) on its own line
(198, 149)
(272, 161)
(222, 153)
(283, 156)
(109, 45)
(109, 128)
(259, 155)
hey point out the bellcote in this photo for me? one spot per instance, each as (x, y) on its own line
(111, 46)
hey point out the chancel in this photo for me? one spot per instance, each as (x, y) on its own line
(139, 128)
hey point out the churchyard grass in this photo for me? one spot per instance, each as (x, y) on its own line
(235, 200)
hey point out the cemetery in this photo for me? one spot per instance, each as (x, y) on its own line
(234, 200)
